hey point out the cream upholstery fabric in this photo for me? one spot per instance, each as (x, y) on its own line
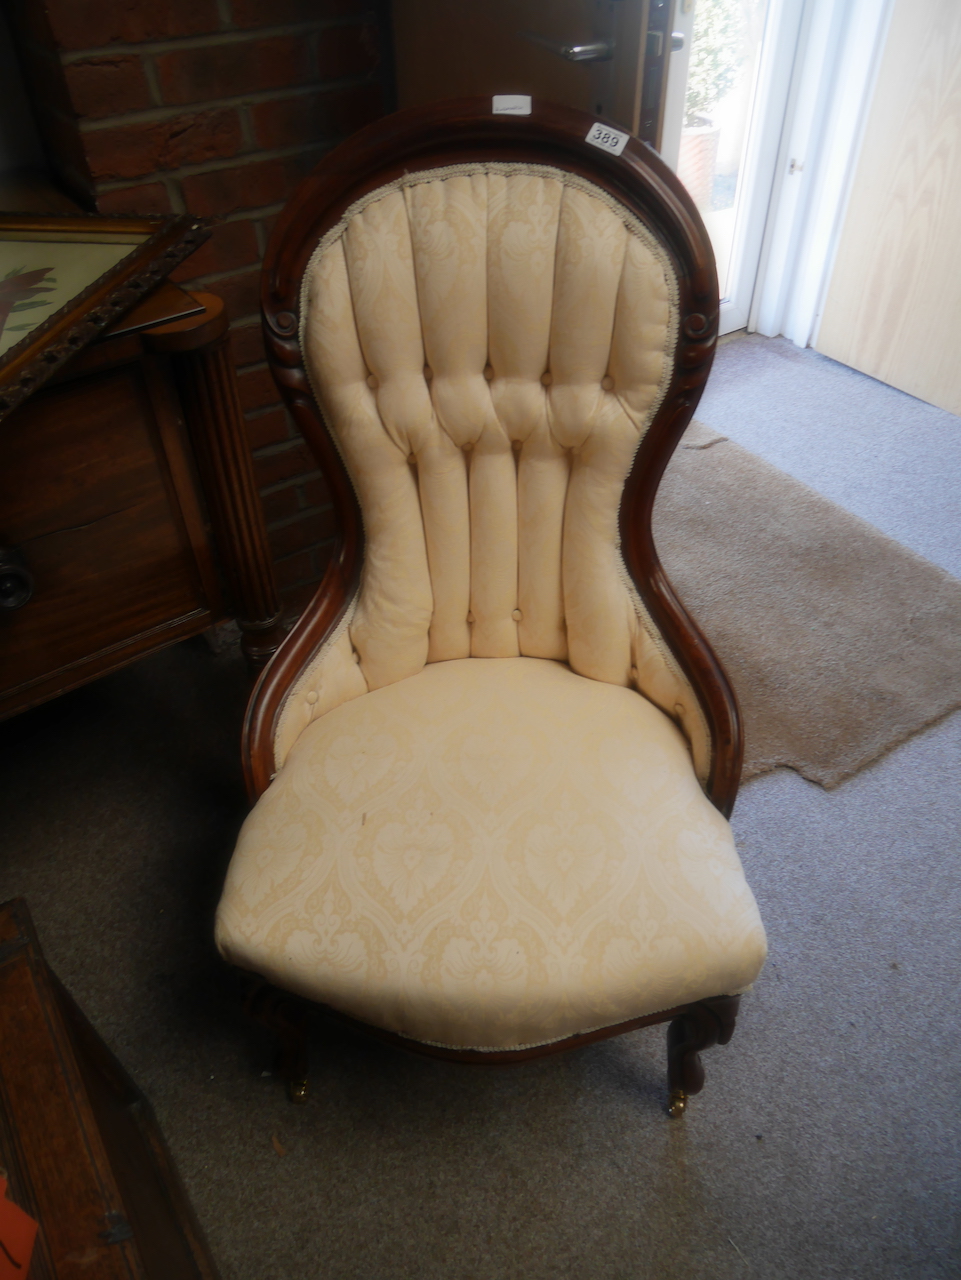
(491, 853)
(488, 345)
(480, 834)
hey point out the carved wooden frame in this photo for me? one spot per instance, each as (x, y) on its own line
(41, 352)
(691, 1029)
(434, 136)
(464, 131)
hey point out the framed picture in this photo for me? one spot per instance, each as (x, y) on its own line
(64, 278)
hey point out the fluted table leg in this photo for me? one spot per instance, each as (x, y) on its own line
(199, 348)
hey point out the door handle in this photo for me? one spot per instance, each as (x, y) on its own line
(591, 51)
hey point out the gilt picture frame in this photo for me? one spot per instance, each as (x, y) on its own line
(64, 278)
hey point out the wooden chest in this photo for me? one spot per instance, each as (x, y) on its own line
(79, 1142)
(127, 496)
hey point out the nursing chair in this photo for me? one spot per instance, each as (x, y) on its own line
(493, 762)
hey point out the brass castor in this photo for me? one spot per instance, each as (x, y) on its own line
(697, 1026)
(677, 1104)
(286, 1017)
(298, 1091)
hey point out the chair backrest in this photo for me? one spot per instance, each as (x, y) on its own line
(503, 327)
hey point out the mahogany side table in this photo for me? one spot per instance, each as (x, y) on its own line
(129, 512)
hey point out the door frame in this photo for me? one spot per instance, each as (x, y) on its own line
(815, 80)
(772, 85)
(839, 56)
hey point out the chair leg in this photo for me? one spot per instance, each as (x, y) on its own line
(286, 1017)
(701, 1025)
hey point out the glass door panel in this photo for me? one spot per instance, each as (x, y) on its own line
(719, 97)
(726, 99)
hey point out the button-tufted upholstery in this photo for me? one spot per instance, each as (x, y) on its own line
(489, 347)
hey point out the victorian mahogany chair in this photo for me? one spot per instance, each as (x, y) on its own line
(494, 760)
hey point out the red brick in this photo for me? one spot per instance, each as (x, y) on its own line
(270, 428)
(86, 24)
(284, 464)
(149, 197)
(268, 13)
(315, 117)
(241, 293)
(281, 505)
(232, 245)
(220, 71)
(300, 533)
(245, 186)
(294, 570)
(268, 224)
(247, 344)
(347, 51)
(316, 493)
(257, 388)
(135, 149)
(107, 86)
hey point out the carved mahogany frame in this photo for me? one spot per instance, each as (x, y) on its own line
(464, 131)
(433, 136)
(199, 348)
(692, 1028)
(41, 352)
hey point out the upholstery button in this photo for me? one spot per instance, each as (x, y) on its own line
(517, 615)
(468, 444)
(488, 373)
(634, 674)
(679, 710)
(355, 655)
(546, 378)
(428, 372)
(312, 697)
(470, 617)
(372, 382)
(607, 382)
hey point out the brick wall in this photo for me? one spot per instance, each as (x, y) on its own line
(214, 107)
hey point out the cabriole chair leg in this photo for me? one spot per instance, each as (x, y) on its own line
(700, 1026)
(286, 1017)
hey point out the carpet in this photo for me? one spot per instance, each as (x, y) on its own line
(839, 642)
(824, 1146)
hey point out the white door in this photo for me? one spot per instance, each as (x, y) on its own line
(605, 57)
(893, 306)
(727, 94)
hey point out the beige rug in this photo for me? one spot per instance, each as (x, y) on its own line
(840, 643)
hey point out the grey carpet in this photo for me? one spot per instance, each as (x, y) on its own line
(839, 642)
(879, 453)
(826, 1143)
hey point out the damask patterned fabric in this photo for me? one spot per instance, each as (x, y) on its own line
(491, 853)
(489, 345)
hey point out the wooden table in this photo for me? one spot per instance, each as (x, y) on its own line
(129, 513)
(79, 1141)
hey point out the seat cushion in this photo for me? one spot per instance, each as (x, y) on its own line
(491, 854)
